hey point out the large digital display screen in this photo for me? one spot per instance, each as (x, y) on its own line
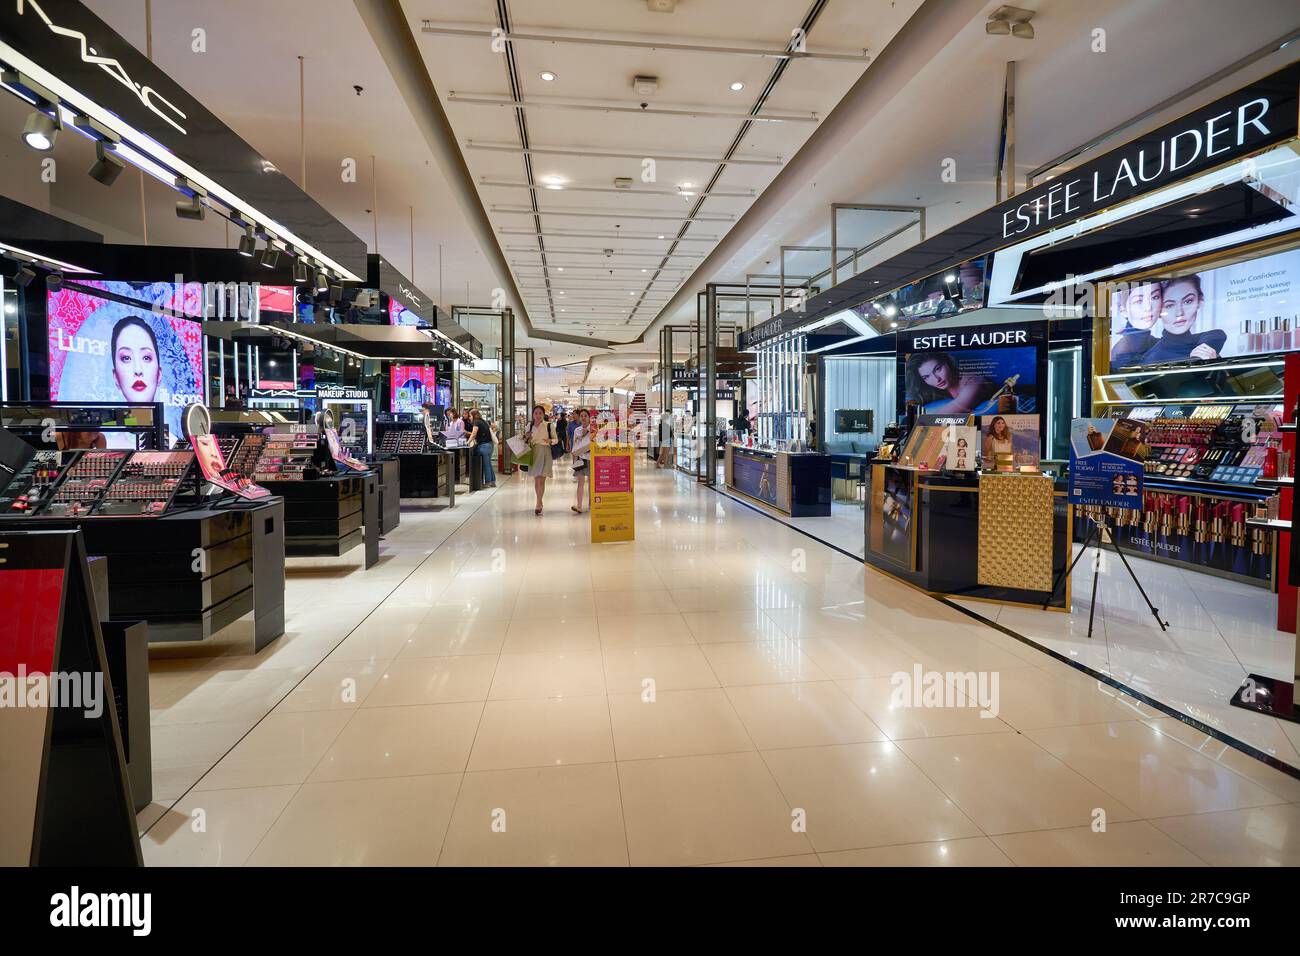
(411, 386)
(399, 314)
(1246, 308)
(973, 370)
(110, 342)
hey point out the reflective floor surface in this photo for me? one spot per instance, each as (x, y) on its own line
(723, 690)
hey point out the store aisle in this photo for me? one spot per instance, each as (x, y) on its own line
(718, 691)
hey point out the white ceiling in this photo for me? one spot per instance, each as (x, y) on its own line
(249, 77)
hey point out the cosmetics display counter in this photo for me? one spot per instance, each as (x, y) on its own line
(427, 469)
(797, 484)
(1206, 469)
(388, 468)
(998, 537)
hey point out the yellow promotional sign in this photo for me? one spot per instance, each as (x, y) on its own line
(613, 512)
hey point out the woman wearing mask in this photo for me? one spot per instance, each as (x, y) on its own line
(540, 435)
(581, 458)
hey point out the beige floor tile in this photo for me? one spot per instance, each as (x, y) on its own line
(182, 753)
(644, 630)
(676, 723)
(439, 636)
(632, 601)
(433, 680)
(720, 597)
(674, 667)
(393, 821)
(799, 859)
(800, 715)
(530, 635)
(858, 795)
(1256, 771)
(533, 676)
(1031, 698)
(1154, 774)
(214, 827)
(282, 749)
(542, 733)
(643, 578)
(971, 851)
(892, 708)
(708, 809)
(1008, 784)
(1136, 843)
(554, 607)
(763, 662)
(333, 685)
(852, 658)
(728, 627)
(1258, 836)
(401, 742)
(542, 816)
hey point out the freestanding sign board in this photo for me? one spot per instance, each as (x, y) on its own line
(64, 792)
(613, 507)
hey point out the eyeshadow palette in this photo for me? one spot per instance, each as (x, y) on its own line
(84, 484)
(244, 459)
(146, 484)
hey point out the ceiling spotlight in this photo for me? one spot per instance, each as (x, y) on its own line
(191, 208)
(737, 86)
(336, 292)
(950, 278)
(24, 276)
(248, 243)
(54, 282)
(1010, 21)
(890, 310)
(322, 281)
(661, 237)
(893, 325)
(560, 268)
(107, 166)
(299, 270)
(270, 255)
(41, 130)
(548, 76)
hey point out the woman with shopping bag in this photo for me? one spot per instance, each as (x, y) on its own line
(581, 459)
(540, 436)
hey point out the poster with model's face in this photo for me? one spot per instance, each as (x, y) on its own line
(411, 386)
(971, 371)
(116, 348)
(1247, 308)
(1015, 435)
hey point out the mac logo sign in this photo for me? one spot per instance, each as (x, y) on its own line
(150, 98)
(410, 295)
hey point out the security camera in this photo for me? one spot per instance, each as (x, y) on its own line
(645, 106)
(358, 89)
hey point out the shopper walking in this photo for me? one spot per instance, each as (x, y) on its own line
(581, 458)
(540, 436)
(665, 441)
(484, 445)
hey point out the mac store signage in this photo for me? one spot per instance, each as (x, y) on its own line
(82, 52)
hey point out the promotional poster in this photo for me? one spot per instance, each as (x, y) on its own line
(613, 513)
(412, 386)
(113, 345)
(1207, 315)
(1106, 458)
(1015, 435)
(755, 476)
(973, 370)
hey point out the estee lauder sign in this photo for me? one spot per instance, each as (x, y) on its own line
(1236, 125)
(965, 339)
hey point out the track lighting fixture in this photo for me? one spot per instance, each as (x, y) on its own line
(336, 292)
(42, 129)
(299, 270)
(322, 281)
(54, 282)
(1010, 21)
(107, 166)
(191, 208)
(24, 276)
(270, 255)
(248, 242)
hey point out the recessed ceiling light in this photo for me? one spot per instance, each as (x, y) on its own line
(661, 237)
(737, 86)
(686, 185)
(560, 268)
(561, 293)
(645, 270)
(548, 76)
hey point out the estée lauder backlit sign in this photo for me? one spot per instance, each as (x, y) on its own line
(1227, 132)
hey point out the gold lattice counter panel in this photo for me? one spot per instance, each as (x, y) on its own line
(1015, 543)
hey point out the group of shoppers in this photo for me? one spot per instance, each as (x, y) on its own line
(551, 437)
(479, 433)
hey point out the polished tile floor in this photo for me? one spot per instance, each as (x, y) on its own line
(720, 691)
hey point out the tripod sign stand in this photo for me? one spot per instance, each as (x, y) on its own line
(1098, 536)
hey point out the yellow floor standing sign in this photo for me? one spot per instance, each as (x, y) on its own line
(613, 513)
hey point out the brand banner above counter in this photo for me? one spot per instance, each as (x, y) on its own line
(973, 370)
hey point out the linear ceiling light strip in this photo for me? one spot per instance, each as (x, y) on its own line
(618, 106)
(160, 158)
(624, 154)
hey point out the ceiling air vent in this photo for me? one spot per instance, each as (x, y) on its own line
(645, 85)
(623, 182)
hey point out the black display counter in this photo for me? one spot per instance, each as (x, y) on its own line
(389, 472)
(469, 467)
(191, 573)
(990, 537)
(428, 475)
(797, 484)
(326, 517)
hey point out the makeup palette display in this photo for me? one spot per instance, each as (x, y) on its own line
(284, 457)
(245, 456)
(146, 484)
(34, 483)
(84, 484)
(1217, 443)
